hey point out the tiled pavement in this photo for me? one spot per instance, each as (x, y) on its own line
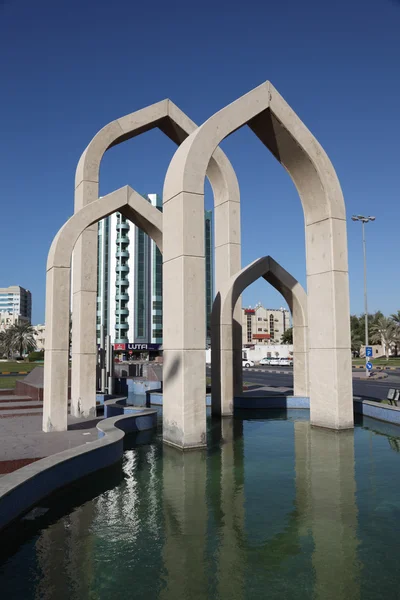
(21, 438)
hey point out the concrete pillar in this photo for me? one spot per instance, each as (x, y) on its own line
(227, 236)
(84, 296)
(331, 393)
(55, 394)
(84, 343)
(184, 335)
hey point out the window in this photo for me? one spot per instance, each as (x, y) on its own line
(259, 319)
(259, 329)
(271, 327)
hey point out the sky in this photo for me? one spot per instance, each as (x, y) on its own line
(70, 67)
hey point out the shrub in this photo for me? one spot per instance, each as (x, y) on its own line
(35, 356)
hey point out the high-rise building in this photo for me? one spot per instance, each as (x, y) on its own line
(17, 301)
(264, 325)
(209, 271)
(129, 282)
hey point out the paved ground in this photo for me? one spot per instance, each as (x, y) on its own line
(22, 440)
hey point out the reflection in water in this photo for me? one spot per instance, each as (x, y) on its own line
(185, 522)
(326, 490)
(324, 507)
(268, 511)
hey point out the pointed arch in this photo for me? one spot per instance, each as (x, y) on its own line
(174, 123)
(293, 145)
(58, 292)
(223, 376)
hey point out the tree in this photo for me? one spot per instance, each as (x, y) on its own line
(287, 336)
(384, 331)
(22, 338)
(5, 343)
(395, 317)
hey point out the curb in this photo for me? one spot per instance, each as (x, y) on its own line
(25, 487)
(13, 373)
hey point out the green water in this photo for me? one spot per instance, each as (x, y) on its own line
(273, 509)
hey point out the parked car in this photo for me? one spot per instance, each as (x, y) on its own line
(274, 361)
(266, 360)
(286, 362)
(247, 363)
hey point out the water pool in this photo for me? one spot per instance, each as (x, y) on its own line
(273, 509)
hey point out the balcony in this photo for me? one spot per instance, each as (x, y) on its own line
(122, 269)
(123, 226)
(122, 311)
(122, 239)
(122, 326)
(122, 254)
(122, 296)
(122, 280)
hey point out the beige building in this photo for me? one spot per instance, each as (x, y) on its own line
(8, 319)
(264, 325)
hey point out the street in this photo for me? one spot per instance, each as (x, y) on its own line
(368, 389)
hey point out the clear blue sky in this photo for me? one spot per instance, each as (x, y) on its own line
(70, 67)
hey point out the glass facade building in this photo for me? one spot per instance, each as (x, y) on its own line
(129, 280)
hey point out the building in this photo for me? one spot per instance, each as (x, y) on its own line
(40, 336)
(8, 319)
(129, 283)
(16, 300)
(264, 325)
(209, 245)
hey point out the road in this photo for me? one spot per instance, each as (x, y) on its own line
(369, 389)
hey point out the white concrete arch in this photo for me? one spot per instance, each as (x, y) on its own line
(223, 375)
(166, 116)
(142, 214)
(281, 130)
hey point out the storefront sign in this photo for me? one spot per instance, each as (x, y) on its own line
(131, 347)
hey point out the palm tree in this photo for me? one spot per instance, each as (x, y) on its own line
(5, 343)
(395, 317)
(22, 338)
(385, 332)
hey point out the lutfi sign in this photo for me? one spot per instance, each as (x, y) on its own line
(131, 347)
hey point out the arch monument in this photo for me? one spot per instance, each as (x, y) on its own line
(294, 146)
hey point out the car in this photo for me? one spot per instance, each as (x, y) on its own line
(286, 362)
(266, 360)
(274, 361)
(247, 363)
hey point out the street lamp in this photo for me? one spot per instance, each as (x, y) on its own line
(364, 220)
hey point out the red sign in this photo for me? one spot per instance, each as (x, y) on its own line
(119, 346)
(261, 336)
(249, 311)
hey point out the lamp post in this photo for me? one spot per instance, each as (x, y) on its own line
(364, 220)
